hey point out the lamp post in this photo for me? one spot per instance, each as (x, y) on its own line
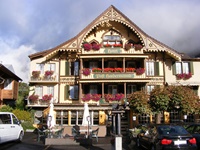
(88, 119)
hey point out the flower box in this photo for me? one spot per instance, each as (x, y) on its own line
(94, 97)
(33, 97)
(139, 71)
(49, 73)
(96, 69)
(96, 46)
(184, 76)
(87, 46)
(86, 71)
(128, 46)
(47, 97)
(138, 46)
(114, 97)
(35, 74)
(130, 69)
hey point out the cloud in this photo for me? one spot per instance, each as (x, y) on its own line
(31, 26)
(17, 57)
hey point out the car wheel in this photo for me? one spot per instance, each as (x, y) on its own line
(20, 137)
(138, 142)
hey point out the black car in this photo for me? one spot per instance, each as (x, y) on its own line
(166, 137)
(194, 129)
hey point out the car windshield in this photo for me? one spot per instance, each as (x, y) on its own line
(172, 130)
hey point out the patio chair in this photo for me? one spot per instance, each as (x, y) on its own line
(95, 134)
(40, 134)
(75, 133)
(59, 133)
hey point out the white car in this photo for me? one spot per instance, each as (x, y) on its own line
(10, 128)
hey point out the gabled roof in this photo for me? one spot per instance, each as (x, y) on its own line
(110, 14)
(6, 73)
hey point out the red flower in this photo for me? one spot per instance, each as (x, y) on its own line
(49, 73)
(87, 46)
(33, 97)
(47, 97)
(130, 69)
(139, 71)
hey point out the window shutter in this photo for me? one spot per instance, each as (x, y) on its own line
(191, 67)
(66, 92)
(174, 68)
(156, 66)
(67, 68)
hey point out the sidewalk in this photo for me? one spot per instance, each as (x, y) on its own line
(102, 144)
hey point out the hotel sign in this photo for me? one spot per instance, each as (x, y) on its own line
(112, 50)
(113, 75)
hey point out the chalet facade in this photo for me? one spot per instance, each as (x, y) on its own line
(109, 59)
(9, 84)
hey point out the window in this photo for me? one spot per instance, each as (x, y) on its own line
(131, 65)
(40, 67)
(50, 90)
(73, 92)
(15, 120)
(39, 91)
(51, 67)
(112, 39)
(131, 89)
(182, 67)
(93, 89)
(8, 84)
(150, 88)
(112, 89)
(152, 68)
(112, 64)
(93, 64)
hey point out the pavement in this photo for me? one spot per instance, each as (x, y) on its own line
(104, 143)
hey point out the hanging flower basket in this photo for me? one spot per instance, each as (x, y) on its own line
(87, 46)
(96, 46)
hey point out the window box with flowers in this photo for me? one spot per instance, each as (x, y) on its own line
(86, 71)
(138, 46)
(108, 69)
(184, 76)
(118, 69)
(130, 69)
(87, 46)
(114, 97)
(94, 97)
(112, 45)
(139, 71)
(128, 46)
(46, 99)
(96, 46)
(96, 69)
(35, 74)
(33, 98)
(48, 73)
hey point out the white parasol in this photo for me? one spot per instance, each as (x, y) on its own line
(86, 115)
(51, 118)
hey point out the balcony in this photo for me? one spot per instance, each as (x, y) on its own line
(113, 50)
(39, 102)
(44, 79)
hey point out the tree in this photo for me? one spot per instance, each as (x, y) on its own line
(22, 95)
(138, 101)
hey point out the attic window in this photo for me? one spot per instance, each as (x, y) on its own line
(112, 40)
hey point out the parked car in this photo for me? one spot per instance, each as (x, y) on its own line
(10, 128)
(194, 129)
(161, 137)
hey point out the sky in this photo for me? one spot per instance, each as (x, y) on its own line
(30, 26)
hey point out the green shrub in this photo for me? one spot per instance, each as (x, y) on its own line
(6, 108)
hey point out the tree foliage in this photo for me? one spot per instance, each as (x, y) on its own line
(159, 100)
(138, 101)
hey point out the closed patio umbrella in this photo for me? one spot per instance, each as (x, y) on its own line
(86, 115)
(51, 118)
